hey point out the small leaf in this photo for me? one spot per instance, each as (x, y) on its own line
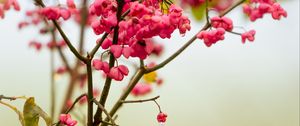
(30, 116)
(32, 112)
(150, 77)
(21, 118)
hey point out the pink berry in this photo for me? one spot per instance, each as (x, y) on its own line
(162, 117)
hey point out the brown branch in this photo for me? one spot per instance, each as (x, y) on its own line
(52, 84)
(126, 92)
(63, 35)
(140, 101)
(105, 111)
(95, 49)
(180, 50)
(90, 92)
(72, 106)
(141, 72)
(11, 98)
(106, 88)
(84, 18)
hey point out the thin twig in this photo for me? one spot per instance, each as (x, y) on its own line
(206, 11)
(235, 33)
(90, 91)
(141, 72)
(180, 50)
(72, 106)
(126, 92)
(63, 35)
(105, 111)
(52, 84)
(99, 43)
(107, 123)
(158, 106)
(11, 98)
(140, 101)
(106, 88)
(84, 18)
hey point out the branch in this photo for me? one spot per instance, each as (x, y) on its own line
(11, 98)
(63, 35)
(189, 42)
(105, 111)
(126, 92)
(84, 18)
(52, 84)
(72, 106)
(95, 49)
(140, 101)
(106, 88)
(71, 47)
(90, 92)
(74, 103)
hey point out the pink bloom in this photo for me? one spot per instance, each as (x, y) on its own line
(106, 43)
(67, 120)
(52, 13)
(71, 4)
(211, 37)
(118, 50)
(6, 4)
(13, 3)
(36, 45)
(277, 11)
(1, 11)
(69, 103)
(158, 49)
(23, 24)
(222, 22)
(141, 89)
(142, 48)
(184, 25)
(83, 100)
(162, 117)
(117, 73)
(99, 65)
(65, 14)
(248, 35)
(258, 8)
(159, 81)
(61, 70)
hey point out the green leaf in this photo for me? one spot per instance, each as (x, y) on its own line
(199, 12)
(21, 118)
(32, 112)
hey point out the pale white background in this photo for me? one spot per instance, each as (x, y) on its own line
(229, 84)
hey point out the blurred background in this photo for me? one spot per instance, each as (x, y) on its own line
(228, 84)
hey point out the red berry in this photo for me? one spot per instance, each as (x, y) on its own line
(162, 117)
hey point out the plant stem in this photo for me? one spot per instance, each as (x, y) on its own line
(104, 94)
(206, 26)
(95, 49)
(104, 110)
(11, 98)
(52, 84)
(72, 106)
(84, 18)
(71, 47)
(140, 101)
(125, 94)
(90, 92)
(106, 88)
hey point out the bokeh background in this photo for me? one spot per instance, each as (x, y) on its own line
(228, 84)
